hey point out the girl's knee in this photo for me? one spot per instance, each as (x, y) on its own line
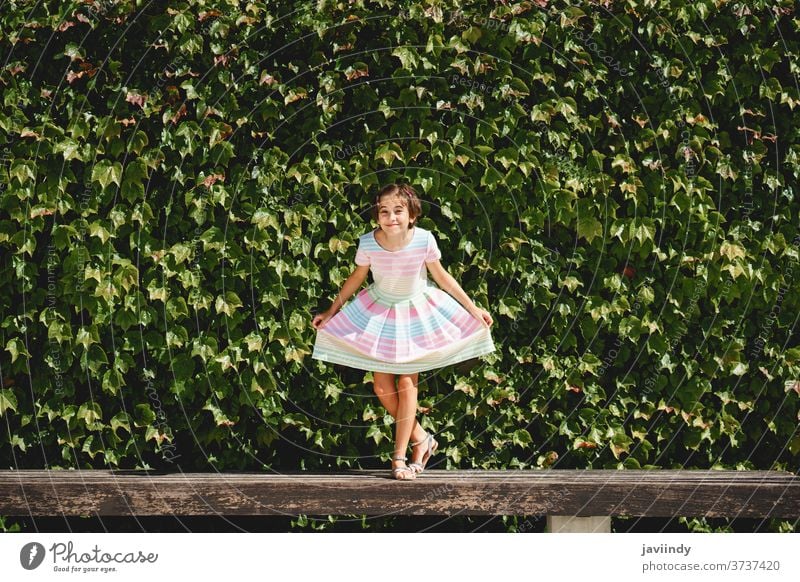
(383, 383)
(406, 387)
(407, 380)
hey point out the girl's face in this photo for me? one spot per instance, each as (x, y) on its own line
(393, 215)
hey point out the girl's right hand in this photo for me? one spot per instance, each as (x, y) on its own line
(321, 319)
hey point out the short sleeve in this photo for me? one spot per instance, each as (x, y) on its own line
(433, 253)
(362, 258)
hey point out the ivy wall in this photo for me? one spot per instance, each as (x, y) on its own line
(184, 184)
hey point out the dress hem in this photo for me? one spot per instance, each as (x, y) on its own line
(477, 350)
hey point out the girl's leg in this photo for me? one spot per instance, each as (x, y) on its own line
(418, 435)
(406, 411)
(386, 391)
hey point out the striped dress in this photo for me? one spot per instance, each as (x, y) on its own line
(402, 323)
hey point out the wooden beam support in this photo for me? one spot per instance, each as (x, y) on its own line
(568, 524)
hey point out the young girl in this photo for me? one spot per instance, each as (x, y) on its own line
(401, 325)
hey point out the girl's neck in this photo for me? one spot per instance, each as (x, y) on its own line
(399, 241)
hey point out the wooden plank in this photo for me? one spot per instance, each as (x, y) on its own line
(581, 493)
(566, 524)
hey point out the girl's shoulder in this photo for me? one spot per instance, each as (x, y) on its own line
(368, 236)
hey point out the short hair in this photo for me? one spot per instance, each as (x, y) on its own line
(406, 193)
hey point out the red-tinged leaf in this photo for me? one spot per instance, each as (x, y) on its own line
(337, 48)
(36, 212)
(357, 71)
(629, 271)
(212, 111)
(136, 98)
(72, 76)
(173, 94)
(208, 14)
(65, 25)
(89, 68)
(549, 458)
(212, 179)
(267, 79)
(295, 95)
(180, 113)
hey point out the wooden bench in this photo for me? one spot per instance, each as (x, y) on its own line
(572, 500)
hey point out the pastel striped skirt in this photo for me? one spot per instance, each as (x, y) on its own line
(402, 336)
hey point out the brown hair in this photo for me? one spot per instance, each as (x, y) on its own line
(406, 193)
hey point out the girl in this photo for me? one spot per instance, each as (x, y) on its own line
(401, 325)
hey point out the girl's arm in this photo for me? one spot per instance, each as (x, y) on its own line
(351, 285)
(447, 283)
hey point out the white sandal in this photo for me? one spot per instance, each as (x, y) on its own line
(432, 446)
(397, 470)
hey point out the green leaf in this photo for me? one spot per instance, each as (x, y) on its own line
(15, 347)
(408, 57)
(375, 433)
(183, 367)
(70, 149)
(23, 170)
(491, 177)
(177, 308)
(220, 418)
(254, 341)
(126, 275)
(228, 304)
(143, 415)
(100, 231)
(522, 438)
(112, 381)
(389, 152)
(91, 414)
(152, 433)
(589, 227)
(121, 420)
(7, 400)
(643, 229)
(472, 34)
(106, 172)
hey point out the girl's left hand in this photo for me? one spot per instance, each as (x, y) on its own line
(483, 316)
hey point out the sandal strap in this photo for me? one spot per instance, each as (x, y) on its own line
(399, 458)
(423, 441)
